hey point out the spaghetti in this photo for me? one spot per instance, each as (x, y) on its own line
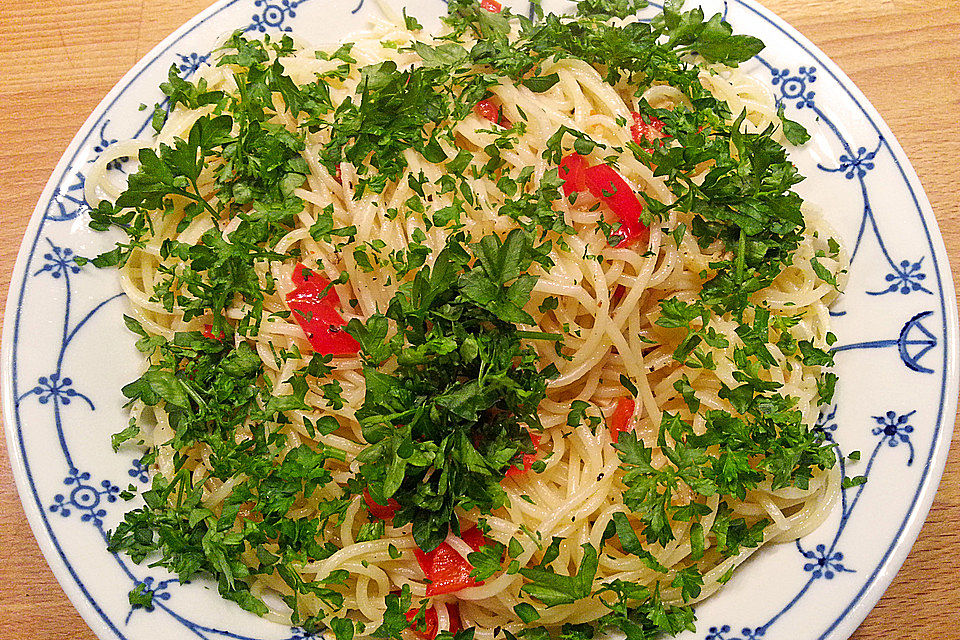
(656, 278)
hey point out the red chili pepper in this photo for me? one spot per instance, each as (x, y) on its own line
(446, 569)
(491, 5)
(302, 275)
(620, 419)
(207, 332)
(647, 129)
(488, 109)
(618, 294)
(317, 315)
(528, 459)
(573, 170)
(609, 187)
(431, 626)
(380, 511)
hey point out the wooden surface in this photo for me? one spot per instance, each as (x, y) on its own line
(58, 58)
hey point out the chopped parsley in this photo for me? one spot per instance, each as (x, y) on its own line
(452, 380)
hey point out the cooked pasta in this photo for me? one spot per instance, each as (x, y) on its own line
(688, 334)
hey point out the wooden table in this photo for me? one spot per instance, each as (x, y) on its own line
(58, 58)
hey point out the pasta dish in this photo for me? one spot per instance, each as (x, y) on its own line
(515, 328)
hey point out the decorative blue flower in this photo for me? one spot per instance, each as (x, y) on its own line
(825, 564)
(825, 422)
(794, 87)
(274, 14)
(895, 430)
(779, 75)
(59, 261)
(105, 142)
(720, 633)
(151, 592)
(139, 471)
(858, 163)
(855, 164)
(189, 63)
(906, 278)
(84, 497)
(53, 387)
(60, 506)
(300, 634)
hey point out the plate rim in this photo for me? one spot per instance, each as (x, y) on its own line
(847, 621)
(901, 546)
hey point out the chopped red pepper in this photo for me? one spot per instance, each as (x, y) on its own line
(609, 187)
(573, 170)
(488, 109)
(620, 419)
(431, 625)
(317, 315)
(491, 5)
(302, 275)
(380, 511)
(528, 459)
(446, 569)
(618, 294)
(647, 129)
(207, 332)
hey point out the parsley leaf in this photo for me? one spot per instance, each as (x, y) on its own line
(554, 589)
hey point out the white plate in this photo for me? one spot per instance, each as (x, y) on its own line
(66, 355)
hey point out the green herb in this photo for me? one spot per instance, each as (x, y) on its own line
(452, 381)
(445, 423)
(856, 481)
(794, 132)
(554, 589)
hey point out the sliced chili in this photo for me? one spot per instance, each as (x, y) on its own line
(528, 459)
(207, 332)
(647, 130)
(431, 624)
(380, 511)
(573, 170)
(489, 109)
(316, 313)
(620, 419)
(446, 569)
(609, 187)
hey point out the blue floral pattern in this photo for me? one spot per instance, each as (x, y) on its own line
(853, 164)
(55, 388)
(826, 424)
(895, 430)
(906, 278)
(84, 498)
(191, 62)
(139, 471)
(155, 590)
(825, 564)
(59, 261)
(720, 633)
(857, 164)
(274, 14)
